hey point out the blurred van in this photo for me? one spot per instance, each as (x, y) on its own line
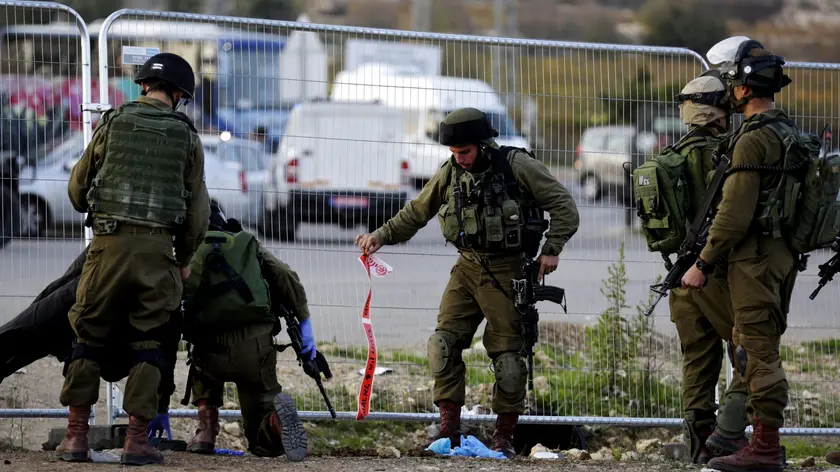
(425, 100)
(337, 163)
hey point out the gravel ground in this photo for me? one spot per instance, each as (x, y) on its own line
(42, 461)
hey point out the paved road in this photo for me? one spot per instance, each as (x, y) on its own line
(405, 303)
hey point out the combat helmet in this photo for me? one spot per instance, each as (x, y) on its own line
(466, 126)
(170, 68)
(744, 61)
(704, 100)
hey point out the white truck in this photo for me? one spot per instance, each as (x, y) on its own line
(337, 163)
(425, 101)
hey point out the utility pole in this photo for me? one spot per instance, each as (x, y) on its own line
(499, 29)
(421, 15)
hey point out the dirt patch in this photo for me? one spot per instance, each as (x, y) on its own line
(177, 462)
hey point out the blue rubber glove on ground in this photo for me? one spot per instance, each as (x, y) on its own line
(307, 339)
(159, 425)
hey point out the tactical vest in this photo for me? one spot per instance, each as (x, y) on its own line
(142, 174)
(226, 289)
(492, 214)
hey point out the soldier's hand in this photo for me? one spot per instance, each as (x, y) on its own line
(694, 278)
(185, 273)
(368, 243)
(548, 264)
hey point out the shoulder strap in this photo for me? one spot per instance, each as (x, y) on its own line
(216, 261)
(500, 160)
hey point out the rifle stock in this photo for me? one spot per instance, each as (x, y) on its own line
(551, 294)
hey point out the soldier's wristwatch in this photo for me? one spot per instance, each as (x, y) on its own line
(704, 266)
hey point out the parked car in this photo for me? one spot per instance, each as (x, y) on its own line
(234, 172)
(340, 163)
(604, 152)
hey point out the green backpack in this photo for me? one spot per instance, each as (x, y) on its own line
(665, 188)
(225, 289)
(803, 207)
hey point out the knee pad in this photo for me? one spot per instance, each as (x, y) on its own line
(152, 357)
(442, 350)
(511, 372)
(85, 351)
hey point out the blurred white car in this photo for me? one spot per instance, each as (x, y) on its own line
(234, 172)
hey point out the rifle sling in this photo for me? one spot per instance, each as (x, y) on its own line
(711, 194)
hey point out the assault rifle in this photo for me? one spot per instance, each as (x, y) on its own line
(527, 292)
(312, 367)
(695, 240)
(829, 269)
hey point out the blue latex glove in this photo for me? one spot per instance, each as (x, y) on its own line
(158, 425)
(442, 446)
(472, 447)
(307, 339)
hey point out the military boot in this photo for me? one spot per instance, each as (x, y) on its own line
(503, 437)
(762, 454)
(204, 441)
(698, 426)
(137, 449)
(450, 423)
(74, 447)
(729, 436)
(833, 457)
(286, 423)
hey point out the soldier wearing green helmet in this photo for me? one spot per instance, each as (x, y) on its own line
(490, 203)
(141, 182)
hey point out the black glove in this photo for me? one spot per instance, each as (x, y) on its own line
(315, 367)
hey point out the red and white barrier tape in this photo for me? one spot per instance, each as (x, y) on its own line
(377, 267)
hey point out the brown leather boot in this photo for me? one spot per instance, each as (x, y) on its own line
(74, 447)
(762, 454)
(450, 423)
(137, 450)
(204, 441)
(503, 436)
(833, 457)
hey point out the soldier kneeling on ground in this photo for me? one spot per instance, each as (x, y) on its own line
(230, 300)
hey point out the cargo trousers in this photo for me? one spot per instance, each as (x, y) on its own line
(130, 283)
(703, 319)
(762, 274)
(249, 361)
(469, 298)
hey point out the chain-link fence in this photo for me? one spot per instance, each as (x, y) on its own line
(314, 133)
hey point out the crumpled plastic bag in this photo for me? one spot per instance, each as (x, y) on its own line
(470, 447)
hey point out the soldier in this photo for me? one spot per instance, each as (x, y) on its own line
(141, 181)
(489, 202)
(762, 267)
(704, 318)
(230, 320)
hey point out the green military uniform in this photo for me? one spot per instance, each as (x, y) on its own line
(248, 358)
(242, 351)
(470, 296)
(483, 270)
(762, 270)
(703, 319)
(130, 282)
